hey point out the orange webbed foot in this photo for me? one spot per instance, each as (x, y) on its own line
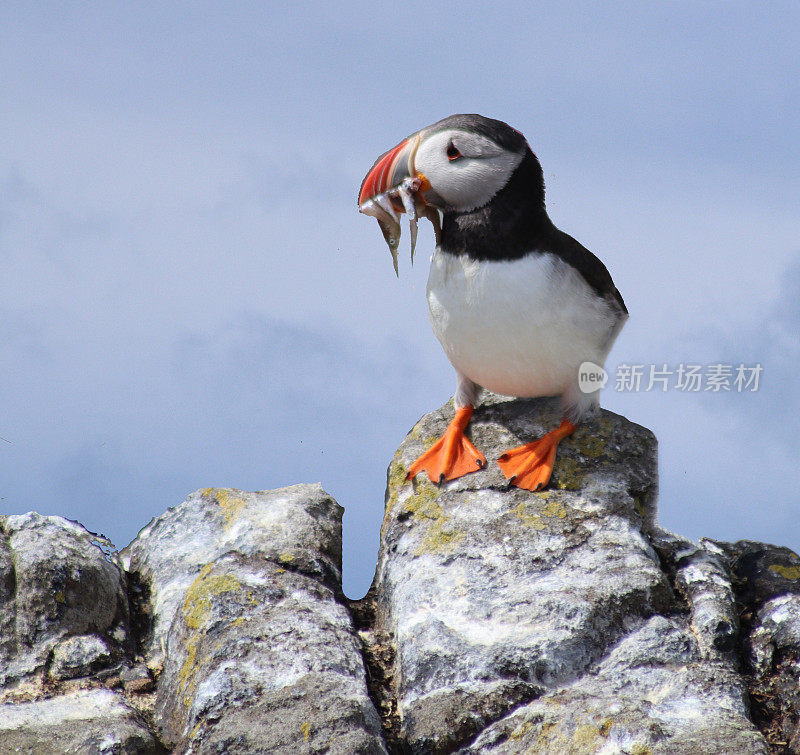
(453, 455)
(531, 465)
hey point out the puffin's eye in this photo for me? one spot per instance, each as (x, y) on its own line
(452, 152)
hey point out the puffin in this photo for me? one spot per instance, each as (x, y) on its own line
(519, 306)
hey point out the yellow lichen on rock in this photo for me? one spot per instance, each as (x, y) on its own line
(396, 478)
(587, 737)
(424, 506)
(569, 474)
(197, 727)
(186, 677)
(554, 508)
(529, 519)
(548, 737)
(439, 538)
(520, 731)
(787, 572)
(196, 611)
(230, 503)
(592, 444)
(197, 603)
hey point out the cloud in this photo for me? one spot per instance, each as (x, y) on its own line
(728, 460)
(772, 340)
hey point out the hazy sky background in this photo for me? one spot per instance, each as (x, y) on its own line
(189, 297)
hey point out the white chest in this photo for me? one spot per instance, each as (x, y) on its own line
(519, 328)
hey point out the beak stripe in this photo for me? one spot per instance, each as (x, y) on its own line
(377, 180)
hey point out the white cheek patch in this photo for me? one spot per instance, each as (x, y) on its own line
(473, 182)
(474, 178)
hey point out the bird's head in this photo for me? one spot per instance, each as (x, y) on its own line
(457, 165)
(461, 162)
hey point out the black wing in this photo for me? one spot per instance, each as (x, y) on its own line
(594, 272)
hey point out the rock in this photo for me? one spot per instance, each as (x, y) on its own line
(79, 656)
(136, 679)
(767, 581)
(671, 685)
(299, 527)
(258, 649)
(262, 659)
(774, 645)
(496, 597)
(62, 595)
(652, 693)
(96, 721)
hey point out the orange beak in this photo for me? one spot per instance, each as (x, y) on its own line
(390, 169)
(394, 186)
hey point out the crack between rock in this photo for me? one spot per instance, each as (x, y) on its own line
(378, 670)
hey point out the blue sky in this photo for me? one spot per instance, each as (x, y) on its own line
(188, 296)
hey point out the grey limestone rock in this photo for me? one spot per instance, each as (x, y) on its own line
(79, 656)
(258, 649)
(548, 621)
(79, 723)
(299, 527)
(652, 693)
(62, 598)
(767, 582)
(136, 679)
(774, 646)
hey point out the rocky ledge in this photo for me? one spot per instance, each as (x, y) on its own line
(499, 620)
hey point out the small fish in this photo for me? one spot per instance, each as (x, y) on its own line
(435, 217)
(408, 196)
(385, 203)
(407, 199)
(390, 227)
(383, 208)
(393, 240)
(412, 228)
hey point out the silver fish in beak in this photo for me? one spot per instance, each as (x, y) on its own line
(393, 187)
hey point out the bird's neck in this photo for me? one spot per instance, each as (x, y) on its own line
(512, 224)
